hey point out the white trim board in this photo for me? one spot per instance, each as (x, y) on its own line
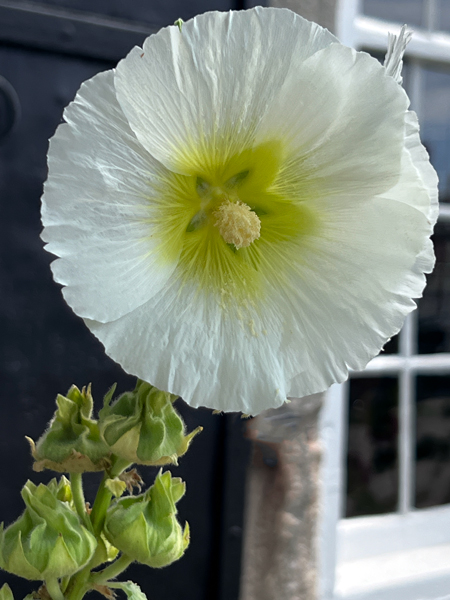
(418, 574)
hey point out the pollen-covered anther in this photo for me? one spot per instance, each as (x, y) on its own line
(237, 224)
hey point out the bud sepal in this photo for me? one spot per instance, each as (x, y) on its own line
(72, 442)
(143, 427)
(145, 527)
(47, 541)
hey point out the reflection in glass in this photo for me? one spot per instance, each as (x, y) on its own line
(435, 124)
(433, 441)
(403, 11)
(434, 307)
(372, 469)
(443, 15)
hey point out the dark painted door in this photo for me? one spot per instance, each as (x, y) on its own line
(47, 49)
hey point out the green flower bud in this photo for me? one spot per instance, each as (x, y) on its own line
(48, 540)
(6, 593)
(143, 427)
(62, 490)
(145, 527)
(72, 442)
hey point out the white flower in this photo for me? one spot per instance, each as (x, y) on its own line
(242, 209)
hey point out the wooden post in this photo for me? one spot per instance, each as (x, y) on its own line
(280, 538)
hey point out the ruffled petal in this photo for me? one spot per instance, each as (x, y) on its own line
(426, 178)
(205, 355)
(99, 206)
(171, 89)
(341, 119)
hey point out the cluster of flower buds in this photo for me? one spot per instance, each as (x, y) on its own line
(55, 537)
(140, 427)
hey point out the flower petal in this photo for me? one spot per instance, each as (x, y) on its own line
(207, 356)
(214, 79)
(98, 205)
(426, 177)
(342, 119)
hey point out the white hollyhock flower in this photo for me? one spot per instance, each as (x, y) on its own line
(242, 209)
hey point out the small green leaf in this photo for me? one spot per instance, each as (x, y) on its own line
(132, 590)
(116, 486)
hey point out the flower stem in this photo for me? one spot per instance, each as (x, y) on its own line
(53, 588)
(119, 465)
(77, 586)
(103, 498)
(79, 583)
(64, 583)
(112, 571)
(76, 482)
(101, 504)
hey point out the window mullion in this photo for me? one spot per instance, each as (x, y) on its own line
(407, 349)
(406, 441)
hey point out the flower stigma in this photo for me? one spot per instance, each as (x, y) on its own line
(237, 224)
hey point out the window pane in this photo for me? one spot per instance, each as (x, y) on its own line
(435, 124)
(372, 470)
(434, 307)
(403, 11)
(443, 15)
(391, 347)
(433, 441)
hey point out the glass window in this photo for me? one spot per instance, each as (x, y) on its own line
(403, 11)
(432, 441)
(391, 347)
(372, 469)
(435, 124)
(443, 15)
(434, 307)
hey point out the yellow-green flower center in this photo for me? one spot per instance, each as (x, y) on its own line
(235, 224)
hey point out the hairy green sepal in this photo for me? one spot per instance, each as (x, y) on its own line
(72, 442)
(47, 541)
(143, 427)
(145, 527)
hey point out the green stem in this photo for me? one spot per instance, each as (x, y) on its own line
(111, 571)
(64, 583)
(78, 584)
(101, 505)
(53, 588)
(103, 498)
(118, 466)
(76, 482)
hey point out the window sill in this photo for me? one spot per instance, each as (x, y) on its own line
(420, 573)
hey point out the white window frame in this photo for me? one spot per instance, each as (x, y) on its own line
(404, 555)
